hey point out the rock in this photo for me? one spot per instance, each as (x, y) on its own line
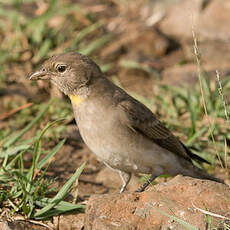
(22, 225)
(186, 74)
(180, 75)
(69, 222)
(149, 43)
(160, 207)
(214, 21)
(213, 52)
(210, 22)
(179, 16)
(136, 80)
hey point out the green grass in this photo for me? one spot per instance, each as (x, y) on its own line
(27, 190)
(52, 29)
(30, 37)
(24, 190)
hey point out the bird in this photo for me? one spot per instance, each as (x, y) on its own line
(123, 133)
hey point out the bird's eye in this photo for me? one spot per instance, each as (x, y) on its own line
(61, 68)
(43, 69)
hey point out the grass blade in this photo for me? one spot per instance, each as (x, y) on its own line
(48, 156)
(182, 222)
(62, 206)
(83, 33)
(29, 126)
(61, 194)
(37, 153)
(95, 45)
(14, 150)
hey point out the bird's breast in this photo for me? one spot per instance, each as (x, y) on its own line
(113, 142)
(101, 130)
(94, 121)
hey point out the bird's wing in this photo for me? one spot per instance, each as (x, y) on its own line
(142, 120)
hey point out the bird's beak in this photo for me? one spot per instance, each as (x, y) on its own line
(40, 75)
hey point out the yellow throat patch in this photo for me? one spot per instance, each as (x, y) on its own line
(76, 100)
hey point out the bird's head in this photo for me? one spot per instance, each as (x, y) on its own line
(70, 72)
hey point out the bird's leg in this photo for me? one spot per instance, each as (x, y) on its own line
(143, 187)
(125, 177)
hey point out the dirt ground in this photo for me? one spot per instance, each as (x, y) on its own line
(162, 59)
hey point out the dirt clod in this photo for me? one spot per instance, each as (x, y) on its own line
(162, 206)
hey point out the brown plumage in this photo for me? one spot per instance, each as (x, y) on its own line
(120, 130)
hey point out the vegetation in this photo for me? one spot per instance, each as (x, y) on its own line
(23, 189)
(29, 34)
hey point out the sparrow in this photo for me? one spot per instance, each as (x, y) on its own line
(121, 131)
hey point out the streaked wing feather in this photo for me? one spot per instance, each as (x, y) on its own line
(144, 121)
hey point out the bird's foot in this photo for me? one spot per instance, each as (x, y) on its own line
(125, 177)
(146, 184)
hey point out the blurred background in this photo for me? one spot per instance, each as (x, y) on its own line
(145, 46)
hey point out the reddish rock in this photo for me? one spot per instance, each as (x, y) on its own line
(69, 222)
(180, 75)
(186, 74)
(210, 21)
(215, 53)
(22, 225)
(214, 21)
(149, 44)
(156, 207)
(179, 17)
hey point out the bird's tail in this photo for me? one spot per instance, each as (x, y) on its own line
(194, 171)
(204, 175)
(197, 172)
